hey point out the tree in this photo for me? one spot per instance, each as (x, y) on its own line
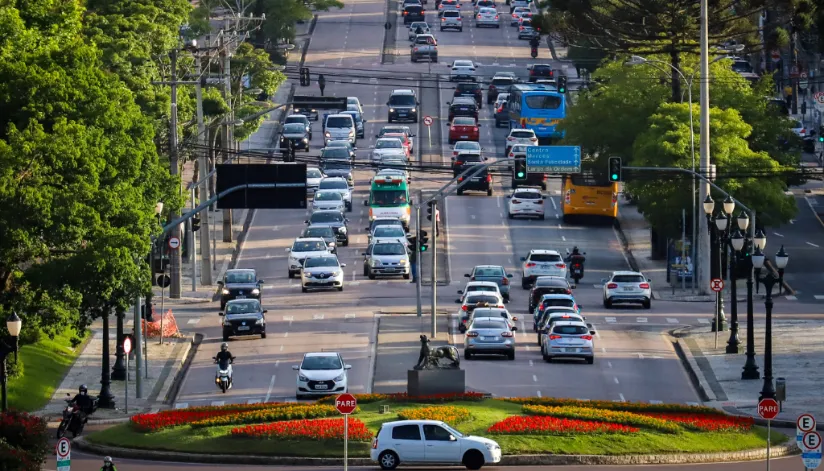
(282, 15)
(252, 69)
(752, 177)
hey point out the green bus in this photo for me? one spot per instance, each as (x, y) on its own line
(389, 198)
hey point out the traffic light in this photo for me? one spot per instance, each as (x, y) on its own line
(424, 240)
(743, 261)
(305, 81)
(413, 243)
(430, 208)
(519, 170)
(615, 169)
(195, 223)
(146, 311)
(562, 82)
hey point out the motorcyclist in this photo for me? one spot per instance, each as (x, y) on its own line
(108, 464)
(419, 29)
(534, 42)
(224, 355)
(84, 402)
(576, 257)
(321, 83)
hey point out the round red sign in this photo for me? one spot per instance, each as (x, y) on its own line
(346, 403)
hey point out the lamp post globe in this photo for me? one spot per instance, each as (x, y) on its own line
(721, 222)
(758, 258)
(760, 239)
(781, 259)
(729, 205)
(743, 221)
(709, 205)
(14, 324)
(737, 240)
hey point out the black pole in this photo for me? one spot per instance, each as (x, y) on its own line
(105, 398)
(734, 341)
(768, 390)
(3, 379)
(119, 370)
(722, 246)
(750, 370)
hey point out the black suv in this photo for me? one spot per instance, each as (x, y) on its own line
(499, 85)
(412, 13)
(334, 219)
(540, 71)
(239, 283)
(472, 90)
(547, 285)
(476, 180)
(403, 106)
(463, 106)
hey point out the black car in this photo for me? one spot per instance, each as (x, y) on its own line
(462, 106)
(547, 285)
(499, 85)
(471, 90)
(465, 157)
(299, 118)
(403, 106)
(244, 317)
(239, 283)
(324, 232)
(412, 13)
(479, 179)
(334, 219)
(297, 134)
(540, 71)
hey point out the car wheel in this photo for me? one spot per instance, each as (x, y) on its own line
(607, 303)
(288, 275)
(346, 243)
(510, 216)
(524, 283)
(340, 288)
(388, 460)
(365, 270)
(435, 59)
(459, 192)
(473, 459)
(647, 304)
(545, 356)
(303, 289)
(389, 119)
(460, 29)
(467, 355)
(407, 276)
(263, 334)
(441, 29)
(371, 276)
(489, 192)
(497, 26)
(539, 342)
(590, 360)
(543, 217)
(511, 356)
(413, 59)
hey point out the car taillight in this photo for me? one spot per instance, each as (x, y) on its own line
(533, 139)
(375, 444)
(554, 337)
(404, 13)
(510, 138)
(489, 178)
(496, 17)
(454, 153)
(443, 19)
(475, 129)
(458, 162)
(506, 334)
(560, 265)
(492, 88)
(464, 308)
(460, 179)
(463, 321)
(522, 28)
(459, 18)
(516, 202)
(539, 202)
(471, 334)
(416, 49)
(479, 17)
(500, 109)
(530, 265)
(567, 291)
(551, 73)
(612, 286)
(586, 337)
(644, 286)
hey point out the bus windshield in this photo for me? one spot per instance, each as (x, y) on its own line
(388, 198)
(543, 102)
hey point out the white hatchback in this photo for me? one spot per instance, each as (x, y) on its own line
(487, 17)
(430, 442)
(321, 374)
(462, 70)
(520, 136)
(526, 202)
(541, 263)
(627, 287)
(328, 200)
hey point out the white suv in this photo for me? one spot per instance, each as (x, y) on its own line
(451, 19)
(627, 287)
(301, 249)
(526, 202)
(520, 136)
(542, 263)
(430, 442)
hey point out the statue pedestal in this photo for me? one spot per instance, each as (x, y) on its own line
(429, 382)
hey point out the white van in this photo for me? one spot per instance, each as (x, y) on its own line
(339, 127)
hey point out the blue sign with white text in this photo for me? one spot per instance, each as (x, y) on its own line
(553, 159)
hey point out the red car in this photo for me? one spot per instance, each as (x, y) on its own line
(407, 143)
(464, 128)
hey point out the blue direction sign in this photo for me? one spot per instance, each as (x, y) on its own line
(553, 159)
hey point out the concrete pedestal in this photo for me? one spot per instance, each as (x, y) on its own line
(428, 382)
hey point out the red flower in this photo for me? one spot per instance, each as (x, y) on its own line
(545, 425)
(176, 417)
(315, 429)
(707, 422)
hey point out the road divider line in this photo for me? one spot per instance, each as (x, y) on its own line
(271, 386)
(615, 378)
(285, 334)
(554, 206)
(641, 356)
(535, 378)
(622, 397)
(603, 350)
(181, 405)
(281, 348)
(671, 320)
(531, 363)
(609, 364)
(538, 393)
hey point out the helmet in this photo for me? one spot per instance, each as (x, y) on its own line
(107, 460)
(84, 389)
(224, 347)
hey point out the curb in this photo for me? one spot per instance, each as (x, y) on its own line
(507, 460)
(174, 389)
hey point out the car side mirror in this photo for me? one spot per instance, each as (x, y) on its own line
(458, 301)
(448, 103)
(219, 313)
(343, 265)
(411, 45)
(364, 254)
(347, 367)
(366, 203)
(478, 125)
(514, 328)
(649, 280)
(260, 282)
(387, 103)
(377, 136)
(591, 332)
(295, 367)
(509, 275)
(288, 249)
(604, 280)
(466, 275)
(573, 286)
(460, 291)
(220, 283)
(452, 438)
(265, 311)
(543, 197)
(306, 221)
(514, 318)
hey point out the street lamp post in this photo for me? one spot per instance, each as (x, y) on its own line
(119, 369)
(750, 370)
(719, 226)
(769, 281)
(7, 346)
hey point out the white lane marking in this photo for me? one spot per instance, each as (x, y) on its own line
(641, 356)
(534, 378)
(615, 378)
(181, 405)
(253, 401)
(285, 334)
(498, 200)
(554, 206)
(559, 226)
(790, 297)
(779, 235)
(277, 362)
(472, 216)
(703, 321)
(603, 350)
(641, 320)
(353, 273)
(539, 393)
(656, 402)
(610, 320)
(531, 363)
(269, 391)
(671, 320)
(281, 348)
(193, 321)
(622, 398)
(218, 403)
(609, 364)
(288, 318)
(349, 316)
(810, 243)
(692, 404)
(819, 297)
(317, 317)
(563, 238)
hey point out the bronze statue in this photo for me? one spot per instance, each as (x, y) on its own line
(430, 359)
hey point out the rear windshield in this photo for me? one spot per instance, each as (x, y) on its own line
(402, 100)
(424, 40)
(482, 299)
(550, 281)
(333, 185)
(482, 288)
(544, 257)
(313, 173)
(463, 121)
(558, 302)
(326, 217)
(502, 81)
(541, 68)
(296, 119)
(488, 271)
(293, 128)
(526, 22)
(328, 196)
(522, 134)
(543, 102)
(628, 279)
(451, 14)
(468, 87)
(527, 195)
(487, 324)
(335, 153)
(570, 330)
(480, 313)
(413, 8)
(313, 246)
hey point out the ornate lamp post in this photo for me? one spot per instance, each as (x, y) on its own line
(750, 370)
(719, 226)
(119, 369)
(7, 346)
(105, 399)
(769, 281)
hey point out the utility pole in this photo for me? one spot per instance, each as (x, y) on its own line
(202, 164)
(226, 136)
(174, 169)
(434, 269)
(703, 265)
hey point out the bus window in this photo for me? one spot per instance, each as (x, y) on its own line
(543, 102)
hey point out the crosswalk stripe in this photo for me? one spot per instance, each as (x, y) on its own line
(704, 321)
(610, 320)
(656, 402)
(193, 321)
(218, 403)
(350, 316)
(791, 298)
(819, 297)
(288, 318)
(317, 317)
(671, 320)
(181, 405)
(641, 320)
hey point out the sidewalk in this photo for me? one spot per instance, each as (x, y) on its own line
(798, 356)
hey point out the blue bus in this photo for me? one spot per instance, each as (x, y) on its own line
(538, 107)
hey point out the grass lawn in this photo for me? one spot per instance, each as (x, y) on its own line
(45, 363)
(485, 413)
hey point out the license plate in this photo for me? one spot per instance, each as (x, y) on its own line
(244, 327)
(241, 297)
(627, 288)
(571, 350)
(464, 137)
(476, 179)
(321, 386)
(489, 338)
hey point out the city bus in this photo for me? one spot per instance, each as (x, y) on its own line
(389, 198)
(586, 195)
(538, 107)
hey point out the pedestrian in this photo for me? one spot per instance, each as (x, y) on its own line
(321, 83)
(788, 95)
(413, 261)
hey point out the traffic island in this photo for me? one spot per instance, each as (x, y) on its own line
(582, 432)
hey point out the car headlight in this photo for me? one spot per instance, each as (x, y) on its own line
(351, 133)
(339, 378)
(308, 273)
(492, 446)
(391, 110)
(414, 110)
(328, 134)
(305, 140)
(374, 263)
(225, 291)
(402, 262)
(255, 291)
(343, 230)
(335, 273)
(303, 378)
(259, 321)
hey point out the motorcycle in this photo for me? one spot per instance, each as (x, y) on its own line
(72, 420)
(576, 268)
(223, 377)
(534, 52)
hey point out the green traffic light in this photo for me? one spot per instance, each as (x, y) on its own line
(820, 138)
(520, 174)
(423, 248)
(614, 177)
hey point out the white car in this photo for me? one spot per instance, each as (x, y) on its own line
(627, 287)
(328, 200)
(462, 70)
(541, 263)
(526, 202)
(387, 233)
(799, 129)
(451, 19)
(313, 178)
(516, 15)
(321, 374)
(353, 103)
(474, 286)
(520, 136)
(302, 248)
(340, 185)
(428, 442)
(388, 148)
(495, 313)
(414, 27)
(472, 147)
(324, 271)
(487, 17)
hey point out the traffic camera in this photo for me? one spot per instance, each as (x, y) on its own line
(519, 170)
(615, 169)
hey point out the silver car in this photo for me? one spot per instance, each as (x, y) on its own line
(413, 28)
(322, 272)
(328, 200)
(569, 339)
(386, 258)
(451, 19)
(627, 287)
(313, 178)
(489, 336)
(487, 17)
(340, 185)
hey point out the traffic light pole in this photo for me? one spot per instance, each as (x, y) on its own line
(416, 248)
(434, 269)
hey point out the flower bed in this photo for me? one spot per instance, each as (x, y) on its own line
(604, 415)
(449, 414)
(317, 429)
(707, 423)
(285, 412)
(545, 425)
(404, 398)
(176, 417)
(640, 407)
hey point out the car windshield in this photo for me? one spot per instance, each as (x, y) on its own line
(570, 330)
(336, 165)
(243, 307)
(551, 283)
(470, 145)
(489, 271)
(339, 122)
(308, 246)
(481, 299)
(489, 324)
(389, 231)
(337, 152)
(543, 102)
(294, 128)
(461, 121)
(296, 119)
(334, 144)
(325, 232)
(326, 217)
(388, 197)
(628, 279)
(333, 185)
(389, 249)
(352, 101)
(355, 115)
(240, 277)
(315, 262)
(321, 363)
(527, 195)
(328, 196)
(463, 64)
(471, 288)
(402, 100)
(545, 257)
(389, 144)
(313, 173)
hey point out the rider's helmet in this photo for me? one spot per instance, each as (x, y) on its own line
(84, 389)
(575, 250)
(224, 347)
(107, 460)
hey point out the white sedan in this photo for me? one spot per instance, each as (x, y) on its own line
(388, 148)
(388, 234)
(462, 70)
